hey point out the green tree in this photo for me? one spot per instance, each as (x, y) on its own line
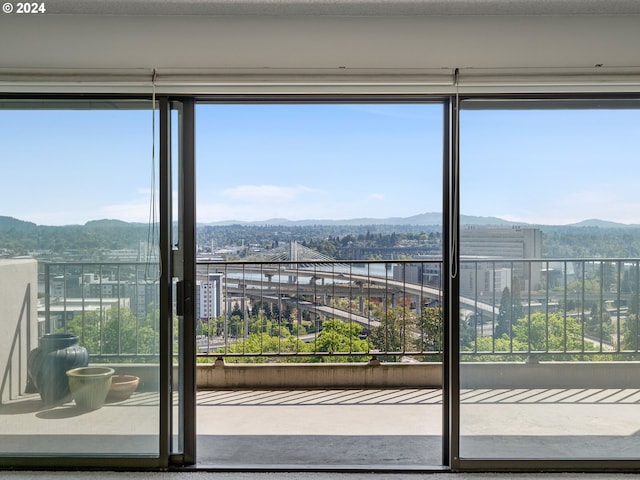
(261, 308)
(631, 337)
(609, 275)
(538, 333)
(469, 329)
(397, 330)
(204, 327)
(510, 310)
(263, 343)
(430, 330)
(116, 331)
(541, 333)
(598, 323)
(270, 327)
(490, 344)
(237, 311)
(504, 320)
(517, 310)
(338, 336)
(235, 326)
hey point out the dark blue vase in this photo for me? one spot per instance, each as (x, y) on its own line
(47, 365)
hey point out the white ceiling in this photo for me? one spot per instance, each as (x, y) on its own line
(345, 7)
(255, 41)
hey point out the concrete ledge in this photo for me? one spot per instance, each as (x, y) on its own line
(324, 375)
(291, 375)
(399, 375)
(550, 375)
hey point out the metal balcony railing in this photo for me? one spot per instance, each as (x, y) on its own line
(317, 309)
(557, 307)
(353, 310)
(112, 307)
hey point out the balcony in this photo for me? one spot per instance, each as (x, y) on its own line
(293, 344)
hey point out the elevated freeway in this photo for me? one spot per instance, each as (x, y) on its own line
(336, 280)
(324, 310)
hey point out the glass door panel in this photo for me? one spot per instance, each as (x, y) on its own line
(319, 256)
(549, 289)
(79, 276)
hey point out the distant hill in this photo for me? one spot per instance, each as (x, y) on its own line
(9, 223)
(594, 222)
(431, 218)
(105, 225)
(108, 223)
(488, 221)
(590, 238)
(20, 238)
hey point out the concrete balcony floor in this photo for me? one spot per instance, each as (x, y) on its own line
(353, 428)
(293, 429)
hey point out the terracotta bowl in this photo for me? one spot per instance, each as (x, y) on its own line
(122, 386)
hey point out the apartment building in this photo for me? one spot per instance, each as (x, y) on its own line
(489, 259)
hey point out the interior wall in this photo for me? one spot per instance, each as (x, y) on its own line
(192, 53)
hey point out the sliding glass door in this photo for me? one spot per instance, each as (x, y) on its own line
(549, 290)
(320, 272)
(80, 282)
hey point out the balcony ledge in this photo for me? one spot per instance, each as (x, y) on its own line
(509, 375)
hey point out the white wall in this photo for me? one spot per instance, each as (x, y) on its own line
(18, 323)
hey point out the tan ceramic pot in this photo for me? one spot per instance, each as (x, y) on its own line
(89, 386)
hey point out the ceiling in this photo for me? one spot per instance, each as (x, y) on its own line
(345, 7)
(200, 46)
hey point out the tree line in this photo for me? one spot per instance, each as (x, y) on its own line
(566, 333)
(266, 330)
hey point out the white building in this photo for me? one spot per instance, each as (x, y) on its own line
(479, 277)
(489, 259)
(209, 297)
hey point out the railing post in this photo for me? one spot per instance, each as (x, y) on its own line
(565, 304)
(47, 299)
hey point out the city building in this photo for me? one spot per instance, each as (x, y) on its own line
(133, 290)
(501, 242)
(209, 300)
(489, 259)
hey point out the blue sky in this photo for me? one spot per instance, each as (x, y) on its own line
(553, 166)
(326, 162)
(64, 167)
(318, 161)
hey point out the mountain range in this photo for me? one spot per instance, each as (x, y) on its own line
(431, 218)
